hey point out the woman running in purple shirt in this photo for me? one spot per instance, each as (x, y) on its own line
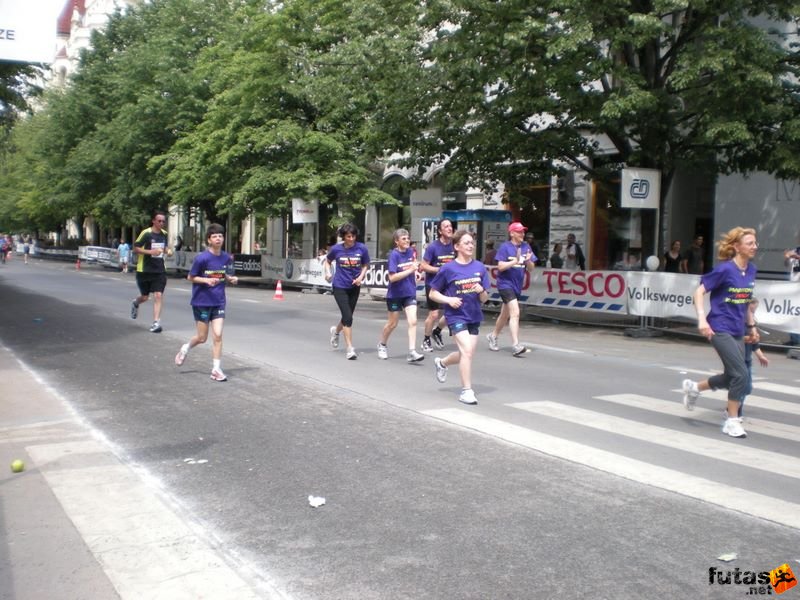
(460, 287)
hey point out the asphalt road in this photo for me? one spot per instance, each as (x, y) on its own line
(574, 477)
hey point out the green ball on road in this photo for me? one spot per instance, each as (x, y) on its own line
(17, 466)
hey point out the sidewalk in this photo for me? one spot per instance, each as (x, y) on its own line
(42, 555)
(78, 523)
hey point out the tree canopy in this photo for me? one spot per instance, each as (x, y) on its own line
(241, 105)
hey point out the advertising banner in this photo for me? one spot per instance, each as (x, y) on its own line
(305, 211)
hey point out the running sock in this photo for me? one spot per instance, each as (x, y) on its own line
(216, 363)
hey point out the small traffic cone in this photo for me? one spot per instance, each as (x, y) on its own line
(78, 264)
(278, 291)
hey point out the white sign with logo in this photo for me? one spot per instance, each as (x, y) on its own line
(305, 211)
(641, 188)
(28, 30)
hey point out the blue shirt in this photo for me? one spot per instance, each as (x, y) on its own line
(212, 266)
(511, 279)
(400, 261)
(731, 294)
(438, 254)
(348, 263)
(457, 280)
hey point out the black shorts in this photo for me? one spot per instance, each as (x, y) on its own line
(430, 303)
(151, 283)
(507, 295)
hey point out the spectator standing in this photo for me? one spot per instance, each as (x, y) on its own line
(151, 274)
(574, 258)
(792, 261)
(693, 262)
(530, 239)
(671, 261)
(26, 248)
(556, 260)
(124, 254)
(491, 252)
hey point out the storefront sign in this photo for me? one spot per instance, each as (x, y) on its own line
(641, 188)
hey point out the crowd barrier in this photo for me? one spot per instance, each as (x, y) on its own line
(653, 295)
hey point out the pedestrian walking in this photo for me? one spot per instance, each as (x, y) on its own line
(123, 253)
(210, 271)
(460, 287)
(351, 259)
(438, 253)
(401, 295)
(730, 285)
(151, 274)
(514, 257)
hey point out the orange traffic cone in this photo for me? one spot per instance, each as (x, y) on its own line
(78, 264)
(278, 291)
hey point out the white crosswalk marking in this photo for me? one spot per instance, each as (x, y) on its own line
(723, 450)
(676, 409)
(789, 390)
(792, 408)
(752, 503)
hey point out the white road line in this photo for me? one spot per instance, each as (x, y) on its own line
(789, 390)
(792, 408)
(751, 503)
(684, 370)
(249, 300)
(144, 548)
(738, 453)
(555, 349)
(676, 409)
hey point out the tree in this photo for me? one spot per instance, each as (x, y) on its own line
(283, 122)
(510, 91)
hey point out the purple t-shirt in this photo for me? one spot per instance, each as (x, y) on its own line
(436, 255)
(212, 266)
(511, 279)
(400, 261)
(455, 279)
(348, 263)
(731, 294)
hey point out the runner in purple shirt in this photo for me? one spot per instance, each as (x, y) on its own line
(731, 286)
(460, 286)
(401, 295)
(210, 271)
(351, 259)
(437, 253)
(513, 258)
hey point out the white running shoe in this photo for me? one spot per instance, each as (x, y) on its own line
(383, 351)
(733, 427)
(519, 350)
(427, 346)
(468, 397)
(414, 356)
(351, 354)
(218, 375)
(690, 394)
(334, 338)
(181, 356)
(441, 370)
(492, 339)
